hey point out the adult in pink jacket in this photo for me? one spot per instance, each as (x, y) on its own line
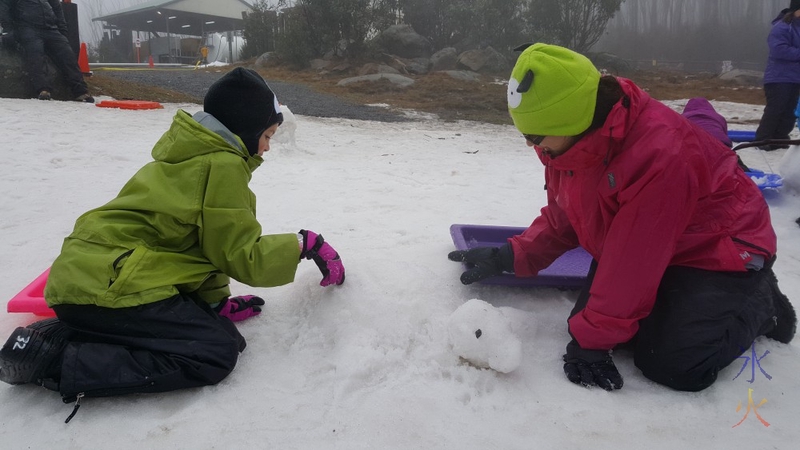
(681, 238)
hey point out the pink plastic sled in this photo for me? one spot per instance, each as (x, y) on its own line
(31, 299)
(569, 271)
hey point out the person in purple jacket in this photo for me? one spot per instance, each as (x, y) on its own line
(781, 77)
(699, 111)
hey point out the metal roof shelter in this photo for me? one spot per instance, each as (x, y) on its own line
(186, 17)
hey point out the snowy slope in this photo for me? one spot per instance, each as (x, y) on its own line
(368, 365)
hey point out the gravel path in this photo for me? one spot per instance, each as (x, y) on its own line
(299, 98)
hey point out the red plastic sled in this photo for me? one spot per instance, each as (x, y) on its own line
(129, 104)
(567, 272)
(31, 299)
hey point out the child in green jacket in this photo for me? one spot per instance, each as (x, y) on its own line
(141, 285)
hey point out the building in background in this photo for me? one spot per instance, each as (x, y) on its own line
(174, 31)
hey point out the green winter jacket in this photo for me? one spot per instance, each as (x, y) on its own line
(183, 224)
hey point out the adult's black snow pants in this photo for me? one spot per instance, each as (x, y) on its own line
(778, 119)
(701, 322)
(36, 43)
(163, 346)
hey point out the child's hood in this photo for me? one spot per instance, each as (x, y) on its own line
(191, 136)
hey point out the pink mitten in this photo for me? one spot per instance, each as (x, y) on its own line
(240, 308)
(326, 258)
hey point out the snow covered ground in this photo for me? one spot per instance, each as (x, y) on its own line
(368, 365)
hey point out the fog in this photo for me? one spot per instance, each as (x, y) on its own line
(689, 34)
(699, 34)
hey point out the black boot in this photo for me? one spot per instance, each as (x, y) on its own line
(52, 327)
(785, 317)
(30, 356)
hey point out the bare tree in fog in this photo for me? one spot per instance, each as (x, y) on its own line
(316, 27)
(466, 23)
(576, 24)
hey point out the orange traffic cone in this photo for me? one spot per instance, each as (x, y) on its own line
(83, 61)
(150, 62)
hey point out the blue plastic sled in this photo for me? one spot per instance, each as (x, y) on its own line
(567, 272)
(765, 180)
(742, 136)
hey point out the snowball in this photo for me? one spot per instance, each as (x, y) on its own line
(285, 133)
(789, 168)
(481, 334)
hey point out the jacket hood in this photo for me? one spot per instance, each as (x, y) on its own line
(780, 15)
(201, 134)
(598, 146)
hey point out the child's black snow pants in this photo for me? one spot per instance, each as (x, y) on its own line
(172, 344)
(701, 322)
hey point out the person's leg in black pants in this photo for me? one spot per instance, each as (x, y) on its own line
(172, 344)
(701, 322)
(60, 52)
(33, 54)
(788, 120)
(778, 118)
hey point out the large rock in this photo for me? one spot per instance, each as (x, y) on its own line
(483, 60)
(320, 64)
(265, 60)
(14, 81)
(393, 78)
(419, 66)
(462, 75)
(444, 59)
(371, 68)
(609, 62)
(402, 40)
(744, 77)
(416, 66)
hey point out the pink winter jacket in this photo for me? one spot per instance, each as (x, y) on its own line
(646, 191)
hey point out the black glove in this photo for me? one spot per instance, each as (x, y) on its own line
(591, 367)
(484, 262)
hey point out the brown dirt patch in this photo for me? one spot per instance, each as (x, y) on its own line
(676, 86)
(445, 96)
(100, 84)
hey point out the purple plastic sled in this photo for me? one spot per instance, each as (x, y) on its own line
(567, 272)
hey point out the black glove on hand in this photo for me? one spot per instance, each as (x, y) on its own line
(591, 367)
(484, 262)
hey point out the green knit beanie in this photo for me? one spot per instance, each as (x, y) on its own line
(552, 91)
